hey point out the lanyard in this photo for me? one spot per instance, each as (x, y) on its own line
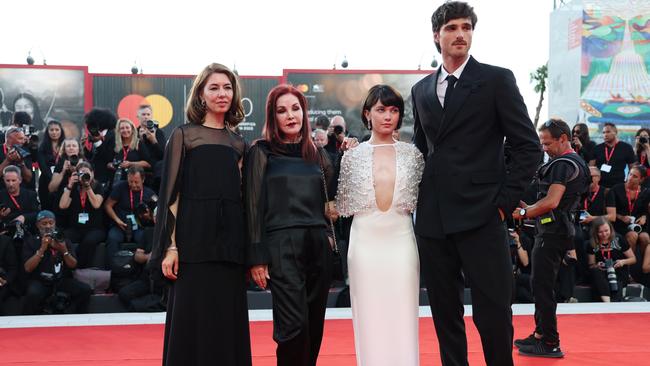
(593, 197)
(608, 155)
(569, 151)
(14, 201)
(631, 205)
(131, 197)
(82, 198)
(4, 148)
(606, 249)
(125, 152)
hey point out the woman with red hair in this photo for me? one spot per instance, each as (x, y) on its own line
(288, 181)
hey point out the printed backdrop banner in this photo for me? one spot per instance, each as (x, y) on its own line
(46, 93)
(342, 92)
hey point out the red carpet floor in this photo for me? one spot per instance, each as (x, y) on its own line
(600, 339)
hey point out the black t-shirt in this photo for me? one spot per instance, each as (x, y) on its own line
(95, 219)
(139, 154)
(636, 206)
(614, 251)
(26, 204)
(587, 151)
(128, 201)
(619, 157)
(597, 205)
(51, 267)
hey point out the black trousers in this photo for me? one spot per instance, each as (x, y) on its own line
(38, 291)
(300, 272)
(483, 256)
(547, 256)
(88, 241)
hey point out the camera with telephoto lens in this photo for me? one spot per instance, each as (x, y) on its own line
(643, 140)
(22, 152)
(74, 160)
(146, 207)
(56, 235)
(634, 226)
(14, 229)
(611, 275)
(118, 171)
(83, 177)
(151, 125)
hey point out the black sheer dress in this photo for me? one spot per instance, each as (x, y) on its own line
(207, 313)
(287, 229)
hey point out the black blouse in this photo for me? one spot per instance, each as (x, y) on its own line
(201, 169)
(283, 191)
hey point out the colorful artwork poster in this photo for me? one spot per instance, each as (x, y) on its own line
(342, 93)
(615, 83)
(45, 93)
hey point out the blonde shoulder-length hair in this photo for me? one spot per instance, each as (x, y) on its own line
(135, 138)
(195, 111)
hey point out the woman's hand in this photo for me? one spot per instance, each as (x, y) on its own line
(260, 274)
(349, 143)
(330, 211)
(170, 264)
(641, 220)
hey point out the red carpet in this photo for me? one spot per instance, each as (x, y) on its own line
(600, 339)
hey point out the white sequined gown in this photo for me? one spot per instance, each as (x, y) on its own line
(383, 259)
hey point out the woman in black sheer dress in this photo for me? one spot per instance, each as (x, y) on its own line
(288, 246)
(199, 236)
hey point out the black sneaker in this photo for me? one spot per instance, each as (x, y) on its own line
(542, 349)
(523, 342)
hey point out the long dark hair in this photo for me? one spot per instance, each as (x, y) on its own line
(272, 133)
(37, 119)
(583, 133)
(195, 112)
(46, 144)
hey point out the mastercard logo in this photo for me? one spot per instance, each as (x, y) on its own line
(162, 108)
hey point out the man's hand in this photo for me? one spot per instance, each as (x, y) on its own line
(2, 282)
(14, 157)
(59, 246)
(125, 164)
(5, 212)
(121, 224)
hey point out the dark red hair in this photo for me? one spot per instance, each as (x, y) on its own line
(272, 132)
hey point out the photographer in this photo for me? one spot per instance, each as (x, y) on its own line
(612, 156)
(581, 143)
(152, 138)
(81, 201)
(631, 201)
(562, 182)
(99, 142)
(17, 205)
(122, 208)
(596, 204)
(48, 263)
(642, 150)
(128, 151)
(48, 157)
(13, 153)
(70, 155)
(610, 257)
(8, 268)
(520, 248)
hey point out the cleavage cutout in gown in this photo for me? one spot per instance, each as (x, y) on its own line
(384, 172)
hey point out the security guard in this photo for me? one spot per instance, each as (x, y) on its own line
(562, 182)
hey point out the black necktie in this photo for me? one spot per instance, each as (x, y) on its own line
(451, 82)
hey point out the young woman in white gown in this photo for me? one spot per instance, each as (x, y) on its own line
(378, 185)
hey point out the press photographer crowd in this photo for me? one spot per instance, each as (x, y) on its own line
(77, 216)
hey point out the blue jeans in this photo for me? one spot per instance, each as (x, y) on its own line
(115, 239)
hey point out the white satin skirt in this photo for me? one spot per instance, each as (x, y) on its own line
(384, 274)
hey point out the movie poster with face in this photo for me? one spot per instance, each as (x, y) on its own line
(168, 95)
(615, 82)
(44, 93)
(342, 93)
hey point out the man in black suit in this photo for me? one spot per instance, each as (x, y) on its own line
(460, 125)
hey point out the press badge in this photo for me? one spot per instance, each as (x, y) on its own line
(134, 224)
(606, 168)
(547, 218)
(83, 217)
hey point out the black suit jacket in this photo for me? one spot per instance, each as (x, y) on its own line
(465, 178)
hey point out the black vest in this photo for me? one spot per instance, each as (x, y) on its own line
(576, 187)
